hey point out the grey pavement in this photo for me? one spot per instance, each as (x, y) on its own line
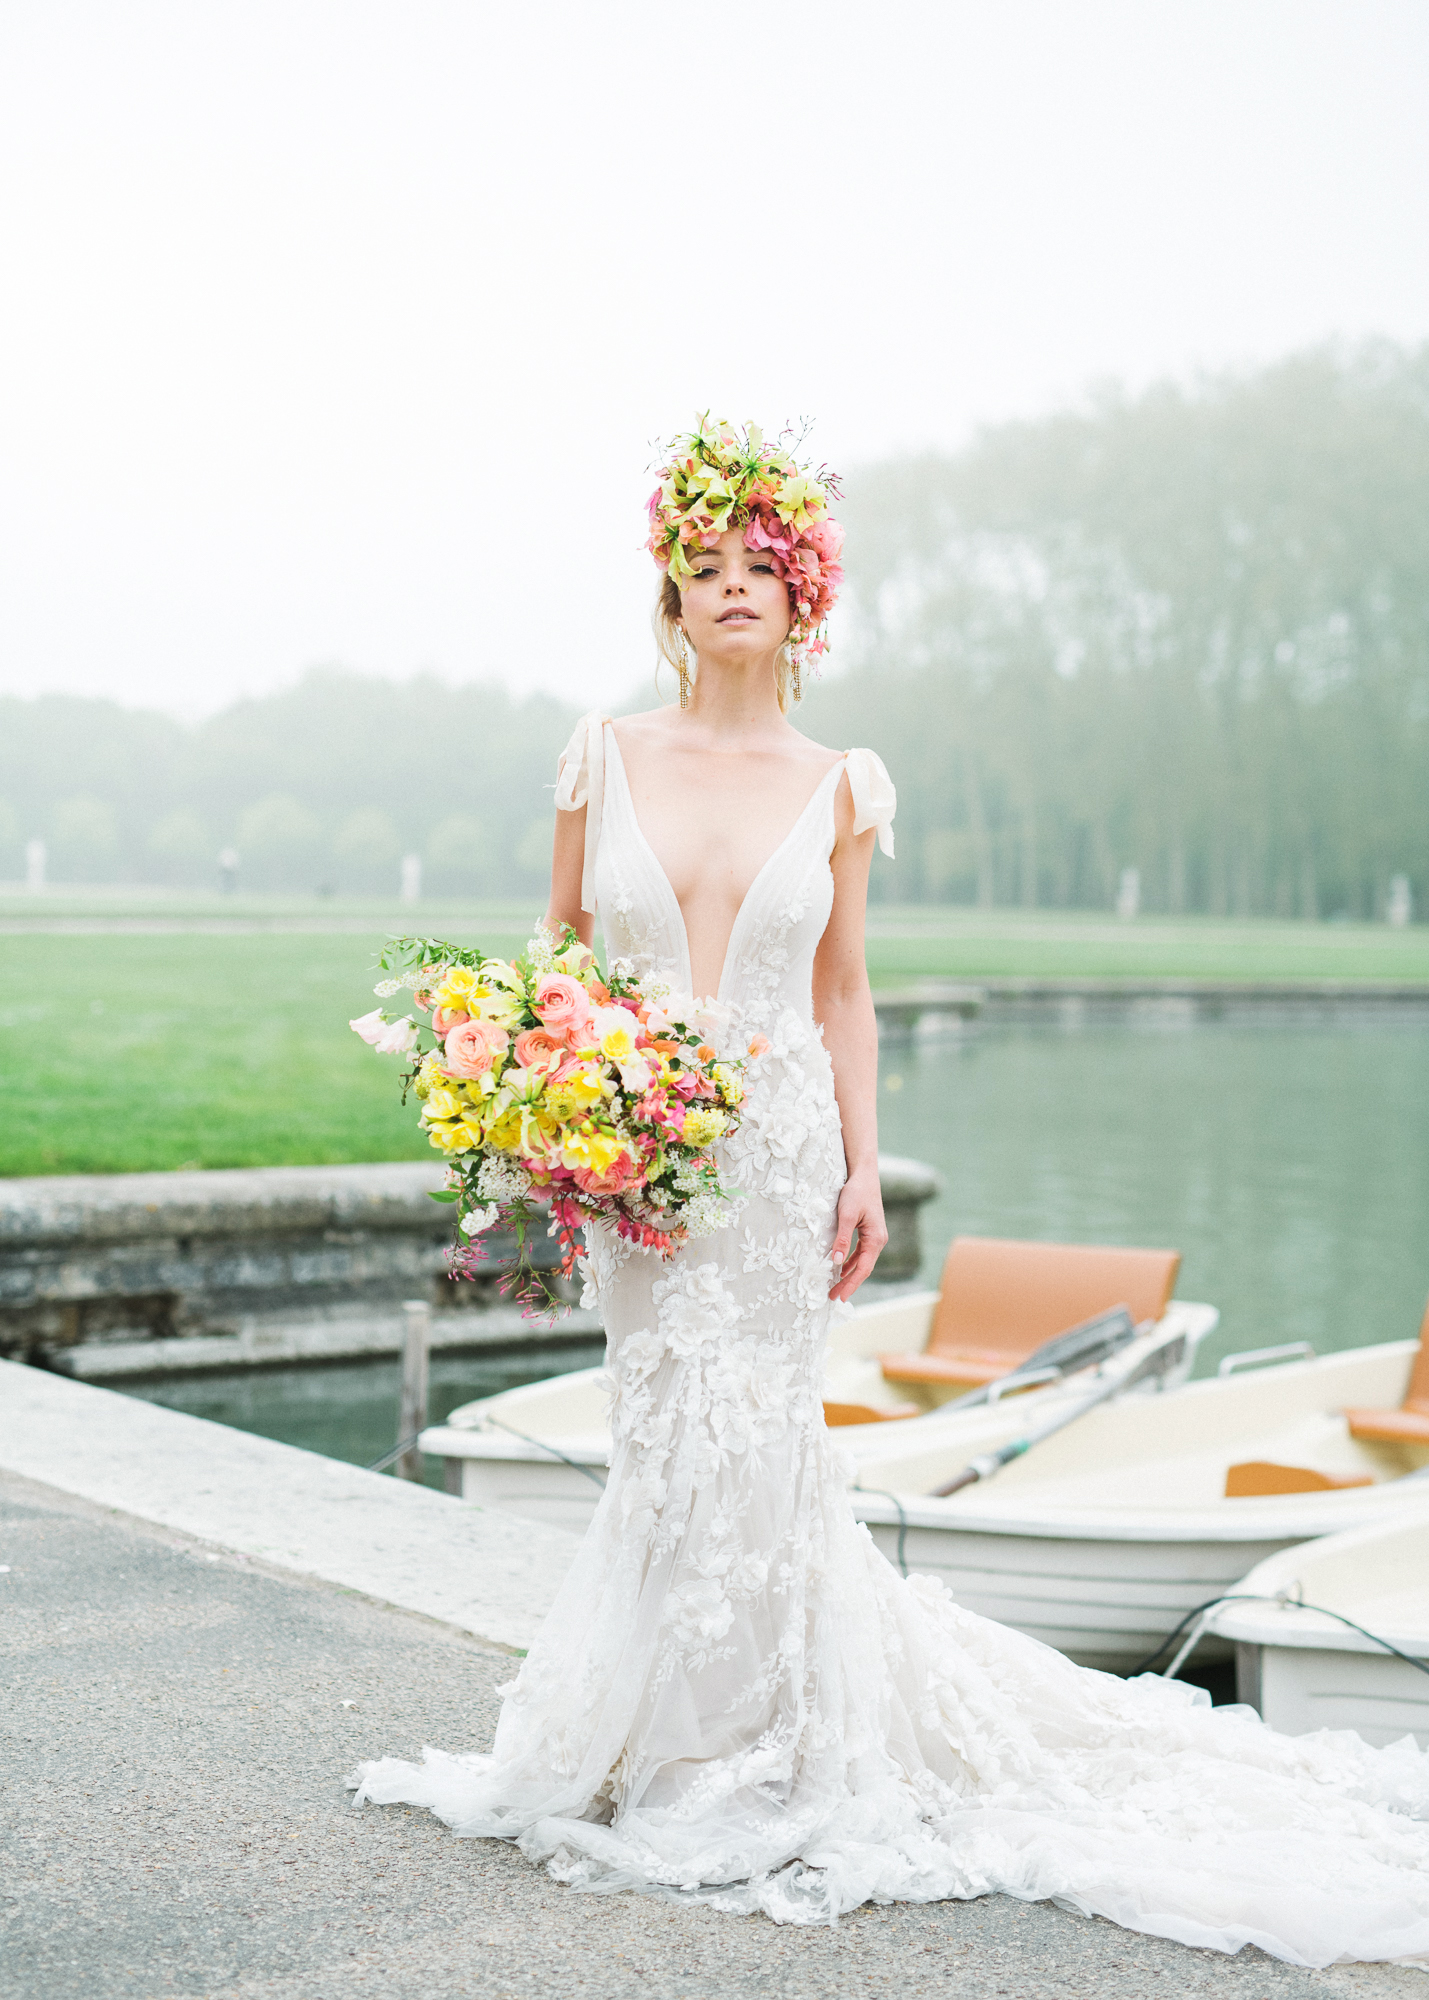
(176, 1726)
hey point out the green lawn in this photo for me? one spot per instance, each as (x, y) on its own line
(120, 1053)
(123, 1050)
(913, 942)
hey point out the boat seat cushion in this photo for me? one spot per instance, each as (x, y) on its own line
(1257, 1477)
(1002, 1299)
(866, 1413)
(969, 1368)
(1404, 1426)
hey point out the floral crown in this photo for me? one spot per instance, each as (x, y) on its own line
(716, 477)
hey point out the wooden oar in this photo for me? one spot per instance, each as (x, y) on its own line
(1081, 1346)
(989, 1462)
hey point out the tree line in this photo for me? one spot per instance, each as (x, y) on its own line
(1184, 631)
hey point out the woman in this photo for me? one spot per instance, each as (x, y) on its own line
(736, 1698)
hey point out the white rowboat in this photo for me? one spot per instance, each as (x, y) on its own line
(543, 1450)
(1104, 1537)
(1304, 1670)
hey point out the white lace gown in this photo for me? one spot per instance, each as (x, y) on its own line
(736, 1698)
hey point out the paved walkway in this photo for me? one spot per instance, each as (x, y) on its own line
(476, 1568)
(176, 1724)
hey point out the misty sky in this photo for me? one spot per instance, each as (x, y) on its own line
(338, 331)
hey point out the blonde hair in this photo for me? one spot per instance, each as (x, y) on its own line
(668, 636)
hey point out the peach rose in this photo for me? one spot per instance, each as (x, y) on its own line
(538, 1048)
(616, 1178)
(561, 1001)
(472, 1047)
(447, 1018)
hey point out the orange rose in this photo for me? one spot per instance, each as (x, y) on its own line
(538, 1048)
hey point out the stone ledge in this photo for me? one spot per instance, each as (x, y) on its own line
(471, 1567)
(109, 1275)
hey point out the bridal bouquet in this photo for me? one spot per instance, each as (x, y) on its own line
(541, 1082)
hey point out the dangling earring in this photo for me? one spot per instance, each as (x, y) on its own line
(798, 696)
(682, 666)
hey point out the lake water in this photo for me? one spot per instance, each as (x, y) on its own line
(348, 1410)
(1286, 1154)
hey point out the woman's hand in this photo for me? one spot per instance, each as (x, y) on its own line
(861, 1214)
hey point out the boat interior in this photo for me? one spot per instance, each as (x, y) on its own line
(1243, 1441)
(1001, 1299)
(1409, 1423)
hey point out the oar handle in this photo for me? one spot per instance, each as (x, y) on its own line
(980, 1468)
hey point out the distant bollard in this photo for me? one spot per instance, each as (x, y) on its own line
(1399, 905)
(411, 878)
(412, 1415)
(1128, 894)
(34, 866)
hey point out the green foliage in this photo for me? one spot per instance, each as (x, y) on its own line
(327, 785)
(1186, 632)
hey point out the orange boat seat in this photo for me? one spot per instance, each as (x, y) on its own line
(1409, 1424)
(866, 1413)
(1002, 1299)
(1257, 1477)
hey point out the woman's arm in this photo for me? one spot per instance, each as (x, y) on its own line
(843, 1005)
(567, 862)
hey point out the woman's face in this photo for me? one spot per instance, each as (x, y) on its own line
(734, 606)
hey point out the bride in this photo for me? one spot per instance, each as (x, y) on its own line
(735, 1698)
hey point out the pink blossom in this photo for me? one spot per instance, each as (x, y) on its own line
(622, 1173)
(538, 1048)
(561, 1001)
(447, 1018)
(472, 1047)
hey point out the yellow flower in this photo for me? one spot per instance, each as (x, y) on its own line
(443, 1102)
(730, 1087)
(575, 1093)
(456, 985)
(618, 1045)
(505, 1132)
(700, 1127)
(584, 1146)
(429, 1078)
(495, 1004)
(455, 1135)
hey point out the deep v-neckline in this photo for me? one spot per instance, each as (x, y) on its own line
(669, 886)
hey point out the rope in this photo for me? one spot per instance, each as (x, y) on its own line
(1254, 1597)
(902, 1520)
(541, 1445)
(381, 1464)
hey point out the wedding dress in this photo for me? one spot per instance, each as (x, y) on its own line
(735, 1697)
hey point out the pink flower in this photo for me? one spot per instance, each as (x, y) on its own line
(370, 1026)
(618, 1176)
(447, 1018)
(538, 1048)
(472, 1047)
(561, 1001)
(759, 1045)
(828, 539)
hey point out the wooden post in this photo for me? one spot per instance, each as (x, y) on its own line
(412, 1413)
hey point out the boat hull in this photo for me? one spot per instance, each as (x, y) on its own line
(1298, 1689)
(1103, 1602)
(1303, 1666)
